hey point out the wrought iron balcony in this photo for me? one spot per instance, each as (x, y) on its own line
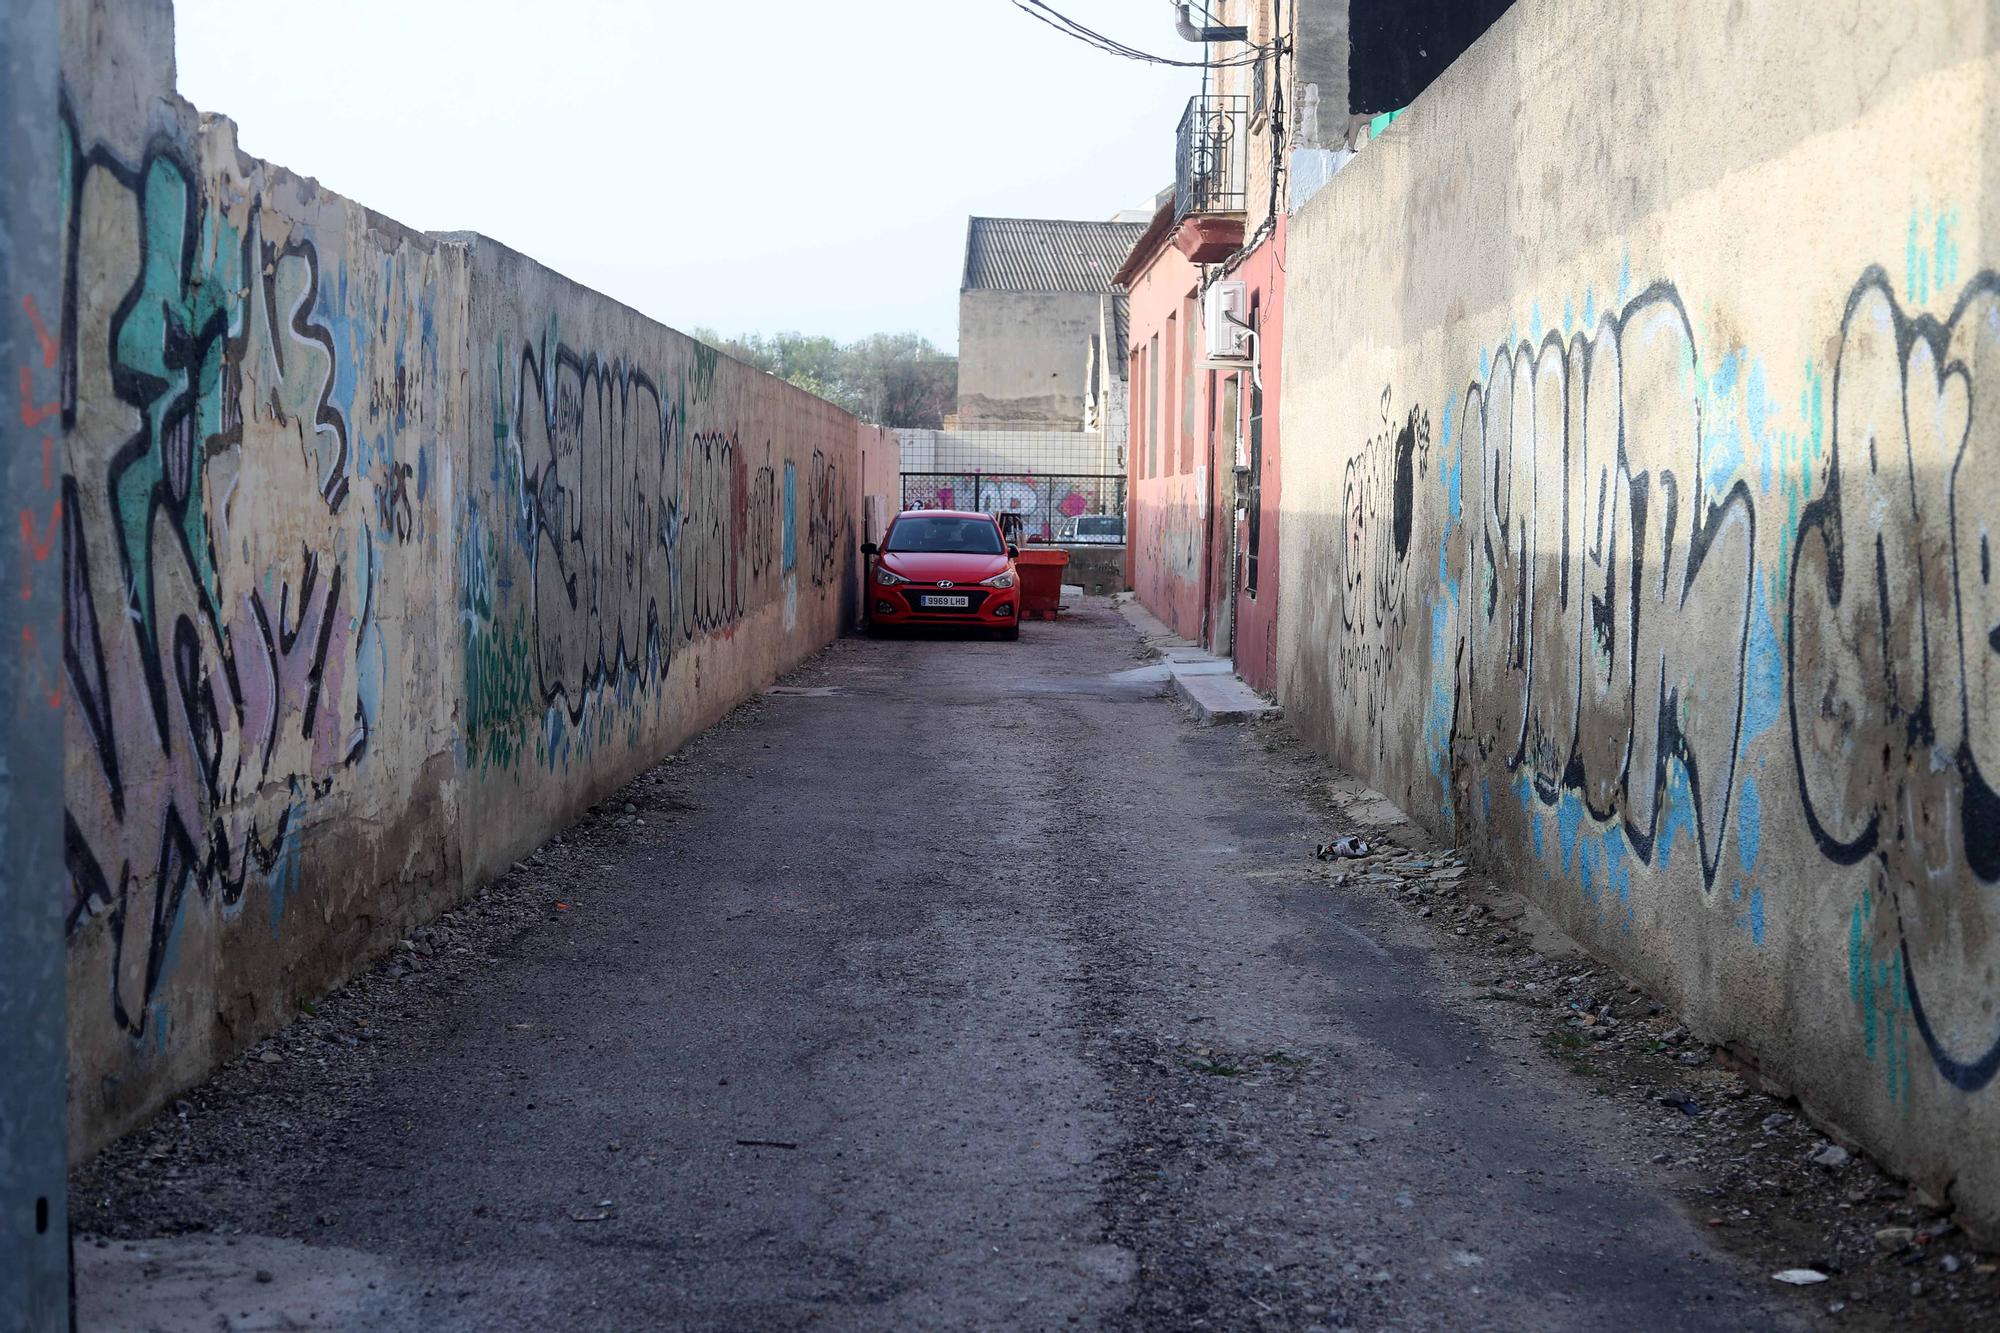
(1208, 156)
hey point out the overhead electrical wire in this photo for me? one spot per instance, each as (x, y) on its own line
(1069, 27)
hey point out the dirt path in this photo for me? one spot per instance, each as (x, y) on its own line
(968, 986)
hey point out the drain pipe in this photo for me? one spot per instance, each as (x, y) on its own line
(1184, 25)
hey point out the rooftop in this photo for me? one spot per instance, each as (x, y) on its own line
(1045, 255)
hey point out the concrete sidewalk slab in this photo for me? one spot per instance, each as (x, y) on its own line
(1207, 684)
(1217, 698)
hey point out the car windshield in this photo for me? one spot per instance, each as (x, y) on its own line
(1098, 527)
(956, 536)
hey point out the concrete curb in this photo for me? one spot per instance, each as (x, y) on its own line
(1205, 683)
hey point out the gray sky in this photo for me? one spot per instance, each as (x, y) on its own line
(785, 164)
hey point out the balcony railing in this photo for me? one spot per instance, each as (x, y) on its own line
(1208, 156)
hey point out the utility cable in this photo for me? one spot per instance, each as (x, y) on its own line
(1069, 27)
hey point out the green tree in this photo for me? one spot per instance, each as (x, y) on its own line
(893, 379)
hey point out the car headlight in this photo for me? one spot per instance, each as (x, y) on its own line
(1004, 579)
(889, 578)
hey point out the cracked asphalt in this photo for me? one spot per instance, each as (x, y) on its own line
(961, 985)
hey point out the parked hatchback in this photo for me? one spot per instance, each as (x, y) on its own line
(944, 567)
(1098, 530)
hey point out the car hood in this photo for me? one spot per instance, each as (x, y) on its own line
(932, 566)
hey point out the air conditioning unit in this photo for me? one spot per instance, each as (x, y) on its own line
(1225, 316)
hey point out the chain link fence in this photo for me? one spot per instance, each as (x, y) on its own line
(1056, 508)
(1005, 450)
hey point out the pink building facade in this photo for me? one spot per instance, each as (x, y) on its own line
(1202, 462)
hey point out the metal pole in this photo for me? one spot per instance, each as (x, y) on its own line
(34, 1225)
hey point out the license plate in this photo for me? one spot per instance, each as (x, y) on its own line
(935, 599)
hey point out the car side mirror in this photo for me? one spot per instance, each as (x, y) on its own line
(1013, 551)
(870, 548)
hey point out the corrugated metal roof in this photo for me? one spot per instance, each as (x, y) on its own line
(1045, 255)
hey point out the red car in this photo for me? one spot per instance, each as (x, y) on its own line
(944, 567)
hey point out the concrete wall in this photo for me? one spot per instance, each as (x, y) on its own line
(34, 1228)
(1098, 570)
(650, 532)
(258, 389)
(358, 524)
(1021, 357)
(881, 469)
(1642, 545)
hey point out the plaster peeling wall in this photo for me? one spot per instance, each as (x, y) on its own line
(1020, 357)
(349, 517)
(1639, 514)
(1169, 514)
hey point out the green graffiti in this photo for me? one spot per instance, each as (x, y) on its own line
(1795, 458)
(1875, 983)
(1930, 254)
(499, 692)
(499, 387)
(704, 369)
(172, 342)
(499, 665)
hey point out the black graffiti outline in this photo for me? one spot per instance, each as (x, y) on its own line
(707, 521)
(1670, 742)
(1372, 582)
(267, 258)
(185, 855)
(543, 495)
(1824, 517)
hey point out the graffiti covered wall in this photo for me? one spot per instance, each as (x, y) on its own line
(351, 522)
(246, 385)
(651, 531)
(1637, 533)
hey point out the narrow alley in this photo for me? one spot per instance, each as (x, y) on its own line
(1242, 664)
(948, 985)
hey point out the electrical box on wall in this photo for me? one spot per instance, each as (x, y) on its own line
(1225, 317)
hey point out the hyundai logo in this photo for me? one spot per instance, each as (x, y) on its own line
(944, 583)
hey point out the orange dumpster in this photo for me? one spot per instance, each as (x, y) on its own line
(1041, 581)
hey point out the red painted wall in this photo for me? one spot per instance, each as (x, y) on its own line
(1257, 617)
(1188, 552)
